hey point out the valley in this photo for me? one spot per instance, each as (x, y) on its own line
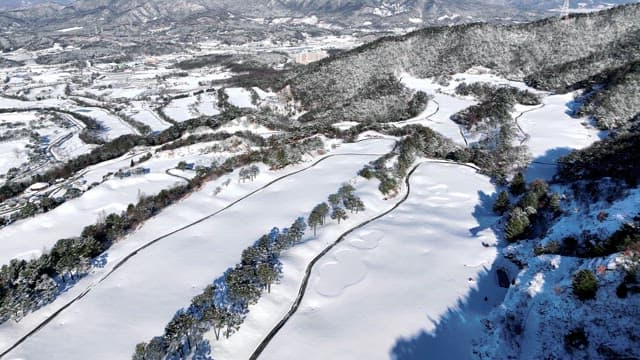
(361, 187)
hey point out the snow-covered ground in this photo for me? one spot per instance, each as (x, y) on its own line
(72, 148)
(551, 133)
(183, 109)
(14, 153)
(114, 125)
(30, 237)
(240, 97)
(437, 115)
(144, 293)
(139, 111)
(393, 279)
(244, 124)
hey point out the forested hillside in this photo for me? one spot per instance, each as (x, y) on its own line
(551, 54)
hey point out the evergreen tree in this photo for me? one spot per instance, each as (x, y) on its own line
(518, 185)
(314, 220)
(335, 200)
(268, 274)
(323, 211)
(554, 203)
(502, 203)
(517, 224)
(585, 285)
(297, 229)
(338, 214)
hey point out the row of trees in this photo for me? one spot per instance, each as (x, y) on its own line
(222, 306)
(417, 141)
(19, 278)
(27, 285)
(343, 200)
(248, 173)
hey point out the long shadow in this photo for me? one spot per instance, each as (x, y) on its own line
(455, 331)
(462, 323)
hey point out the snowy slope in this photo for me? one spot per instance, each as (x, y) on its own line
(144, 293)
(386, 283)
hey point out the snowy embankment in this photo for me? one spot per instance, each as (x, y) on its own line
(392, 279)
(144, 293)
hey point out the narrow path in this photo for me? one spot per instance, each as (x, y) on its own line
(124, 260)
(168, 172)
(303, 286)
(525, 136)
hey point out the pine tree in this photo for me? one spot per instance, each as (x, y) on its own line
(517, 224)
(323, 211)
(338, 214)
(334, 200)
(297, 229)
(314, 220)
(502, 203)
(518, 185)
(554, 203)
(268, 274)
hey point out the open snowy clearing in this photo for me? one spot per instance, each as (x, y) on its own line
(183, 109)
(140, 111)
(384, 282)
(240, 97)
(437, 115)
(551, 133)
(114, 125)
(145, 292)
(14, 153)
(42, 231)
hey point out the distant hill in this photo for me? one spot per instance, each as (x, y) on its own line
(23, 4)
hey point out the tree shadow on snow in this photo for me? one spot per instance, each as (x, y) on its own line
(545, 166)
(456, 330)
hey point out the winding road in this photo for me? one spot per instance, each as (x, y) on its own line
(303, 286)
(137, 251)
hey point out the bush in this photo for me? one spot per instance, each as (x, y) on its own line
(576, 339)
(585, 285)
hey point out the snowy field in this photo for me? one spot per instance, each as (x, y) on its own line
(384, 283)
(145, 293)
(14, 153)
(240, 97)
(140, 111)
(114, 126)
(183, 109)
(28, 238)
(553, 133)
(437, 115)
(72, 148)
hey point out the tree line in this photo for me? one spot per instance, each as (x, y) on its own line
(223, 305)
